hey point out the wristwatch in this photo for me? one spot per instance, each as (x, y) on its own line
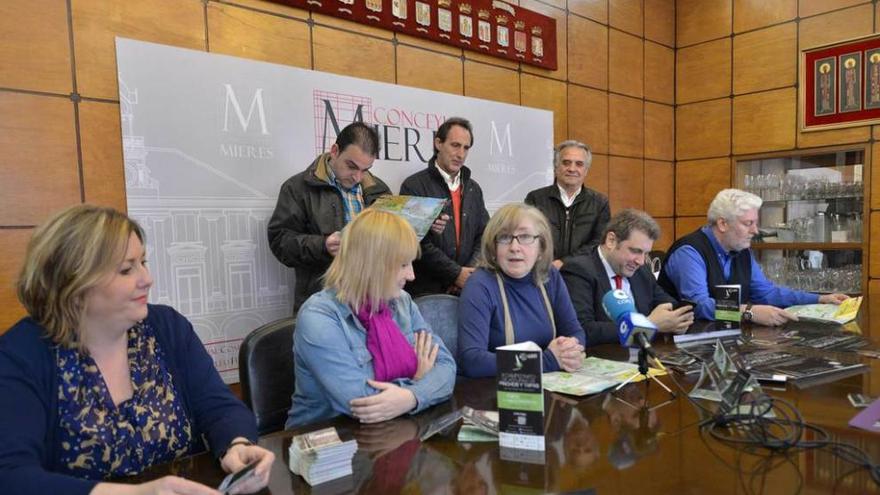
(240, 441)
(747, 313)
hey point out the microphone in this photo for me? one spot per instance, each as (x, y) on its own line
(633, 328)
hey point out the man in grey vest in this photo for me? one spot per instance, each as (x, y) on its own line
(719, 254)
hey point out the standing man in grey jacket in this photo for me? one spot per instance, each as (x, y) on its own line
(577, 214)
(315, 204)
(448, 257)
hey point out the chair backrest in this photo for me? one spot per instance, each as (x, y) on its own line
(441, 313)
(265, 367)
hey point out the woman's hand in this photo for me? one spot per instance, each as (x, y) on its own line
(239, 456)
(569, 353)
(389, 403)
(426, 353)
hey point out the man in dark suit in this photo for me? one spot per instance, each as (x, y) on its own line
(618, 262)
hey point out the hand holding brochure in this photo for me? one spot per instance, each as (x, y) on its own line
(828, 313)
(420, 212)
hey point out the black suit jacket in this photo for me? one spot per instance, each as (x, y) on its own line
(440, 263)
(588, 282)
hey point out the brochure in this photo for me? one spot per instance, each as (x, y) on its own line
(828, 313)
(727, 302)
(419, 211)
(595, 376)
(520, 396)
(479, 426)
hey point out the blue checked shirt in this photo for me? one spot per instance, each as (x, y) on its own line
(352, 199)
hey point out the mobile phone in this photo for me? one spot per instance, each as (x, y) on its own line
(684, 302)
(237, 478)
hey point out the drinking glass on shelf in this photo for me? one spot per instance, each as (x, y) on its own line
(774, 187)
(834, 189)
(789, 186)
(854, 226)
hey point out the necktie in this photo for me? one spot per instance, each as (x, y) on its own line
(618, 282)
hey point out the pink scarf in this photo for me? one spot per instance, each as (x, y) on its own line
(393, 356)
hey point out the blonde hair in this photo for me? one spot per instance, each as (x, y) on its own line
(66, 257)
(504, 222)
(373, 248)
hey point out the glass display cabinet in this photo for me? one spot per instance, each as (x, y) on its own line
(811, 223)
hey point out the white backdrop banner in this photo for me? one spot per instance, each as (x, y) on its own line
(208, 139)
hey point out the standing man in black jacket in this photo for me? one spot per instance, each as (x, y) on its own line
(577, 214)
(448, 258)
(315, 204)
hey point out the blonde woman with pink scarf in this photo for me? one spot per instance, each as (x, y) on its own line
(361, 347)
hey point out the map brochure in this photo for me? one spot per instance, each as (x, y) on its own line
(420, 212)
(479, 426)
(595, 376)
(828, 313)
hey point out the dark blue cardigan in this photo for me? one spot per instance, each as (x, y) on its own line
(29, 446)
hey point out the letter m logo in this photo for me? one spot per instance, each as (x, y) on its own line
(500, 143)
(334, 111)
(244, 121)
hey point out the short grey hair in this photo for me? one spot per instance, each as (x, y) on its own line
(571, 143)
(730, 204)
(628, 220)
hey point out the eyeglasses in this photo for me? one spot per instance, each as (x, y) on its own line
(522, 239)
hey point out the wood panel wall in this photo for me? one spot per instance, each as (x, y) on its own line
(59, 111)
(736, 94)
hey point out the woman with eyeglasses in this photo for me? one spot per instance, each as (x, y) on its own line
(516, 295)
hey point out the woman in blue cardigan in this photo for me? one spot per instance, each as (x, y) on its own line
(517, 295)
(95, 383)
(361, 347)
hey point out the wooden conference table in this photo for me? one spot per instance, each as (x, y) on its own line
(595, 444)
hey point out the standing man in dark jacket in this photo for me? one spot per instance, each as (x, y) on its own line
(448, 258)
(577, 214)
(315, 204)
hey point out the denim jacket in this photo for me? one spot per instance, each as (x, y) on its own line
(332, 363)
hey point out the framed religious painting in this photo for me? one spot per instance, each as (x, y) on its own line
(840, 84)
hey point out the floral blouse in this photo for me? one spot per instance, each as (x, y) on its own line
(100, 439)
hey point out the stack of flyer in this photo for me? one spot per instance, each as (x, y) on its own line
(321, 456)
